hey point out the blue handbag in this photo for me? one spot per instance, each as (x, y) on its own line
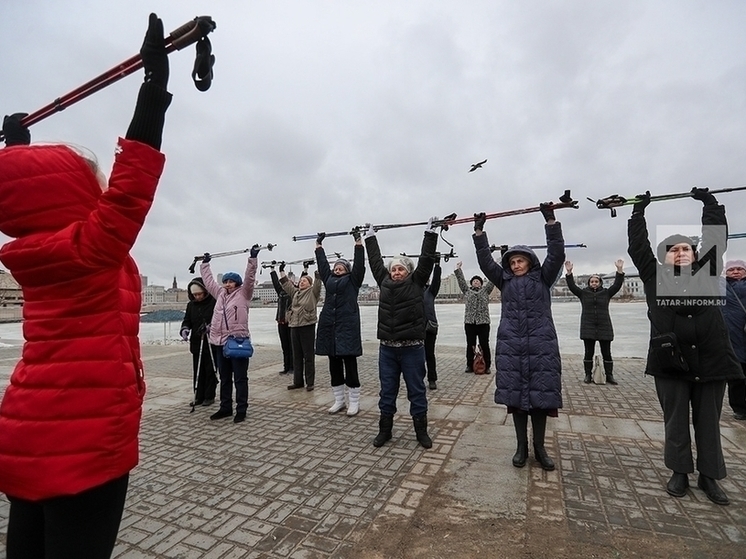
(236, 347)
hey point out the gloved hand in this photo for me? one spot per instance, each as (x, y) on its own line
(479, 220)
(254, 252)
(547, 210)
(432, 225)
(307, 263)
(153, 53)
(282, 266)
(320, 237)
(356, 233)
(370, 231)
(704, 196)
(644, 202)
(206, 257)
(15, 133)
(185, 334)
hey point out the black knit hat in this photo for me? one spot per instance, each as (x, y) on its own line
(673, 240)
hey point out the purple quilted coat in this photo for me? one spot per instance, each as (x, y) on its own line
(528, 361)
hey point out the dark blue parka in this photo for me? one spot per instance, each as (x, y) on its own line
(735, 316)
(529, 367)
(338, 328)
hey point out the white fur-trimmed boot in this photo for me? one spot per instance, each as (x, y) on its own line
(354, 406)
(339, 399)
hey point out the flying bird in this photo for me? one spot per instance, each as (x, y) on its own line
(476, 166)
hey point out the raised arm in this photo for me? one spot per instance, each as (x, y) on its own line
(618, 278)
(358, 264)
(208, 278)
(570, 279)
(435, 280)
(374, 259)
(551, 268)
(459, 273)
(322, 263)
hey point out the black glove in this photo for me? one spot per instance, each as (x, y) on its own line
(282, 266)
(153, 53)
(307, 263)
(479, 220)
(206, 257)
(320, 237)
(547, 210)
(644, 202)
(254, 252)
(355, 233)
(16, 134)
(704, 196)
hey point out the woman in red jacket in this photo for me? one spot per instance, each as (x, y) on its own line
(69, 420)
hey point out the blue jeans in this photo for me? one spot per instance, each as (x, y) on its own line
(233, 370)
(394, 362)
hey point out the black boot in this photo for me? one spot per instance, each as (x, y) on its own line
(677, 485)
(588, 366)
(539, 425)
(520, 422)
(712, 490)
(385, 424)
(420, 429)
(609, 370)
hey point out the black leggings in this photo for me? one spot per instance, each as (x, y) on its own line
(83, 526)
(343, 370)
(590, 348)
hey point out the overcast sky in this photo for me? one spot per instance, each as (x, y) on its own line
(324, 115)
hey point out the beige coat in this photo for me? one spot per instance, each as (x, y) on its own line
(304, 301)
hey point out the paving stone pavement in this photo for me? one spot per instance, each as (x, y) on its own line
(294, 481)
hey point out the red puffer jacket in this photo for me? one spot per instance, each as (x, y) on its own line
(70, 418)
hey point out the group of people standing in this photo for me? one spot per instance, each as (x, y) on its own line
(67, 485)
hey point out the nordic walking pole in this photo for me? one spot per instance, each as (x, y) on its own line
(359, 229)
(196, 373)
(268, 246)
(565, 201)
(446, 256)
(186, 35)
(615, 201)
(504, 248)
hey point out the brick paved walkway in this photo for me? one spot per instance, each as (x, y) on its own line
(293, 481)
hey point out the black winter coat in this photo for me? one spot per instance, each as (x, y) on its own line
(338, 328)
(595, 320)
(198, 316)
(401, 311)
(283, 300)
(700, 329)
(431, 292)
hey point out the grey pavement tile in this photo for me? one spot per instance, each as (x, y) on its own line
(294, 481)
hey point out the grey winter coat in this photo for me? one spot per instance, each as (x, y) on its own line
(700, 329)
(476, 301)
(595, 320)
(338, 329)
(528, 361)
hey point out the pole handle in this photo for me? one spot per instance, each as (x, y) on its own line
(183, 36)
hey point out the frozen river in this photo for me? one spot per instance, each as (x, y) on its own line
(630, 327)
